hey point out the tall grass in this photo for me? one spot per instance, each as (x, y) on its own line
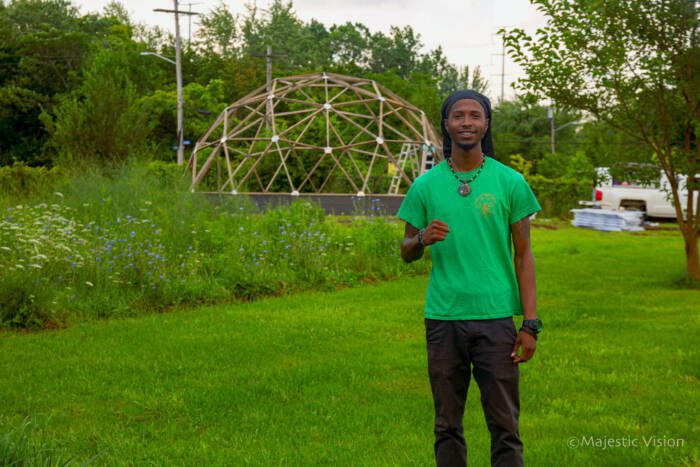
(98, 246)
(26, 445)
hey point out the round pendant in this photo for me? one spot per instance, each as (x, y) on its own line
(464, 189)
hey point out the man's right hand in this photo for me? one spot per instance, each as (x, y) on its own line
(436, 231)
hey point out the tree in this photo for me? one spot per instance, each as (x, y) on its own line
(419, 89)
(636, 67)
(101, 121)
(202, 105)
(64, 75)
(118, 13)
(450, 78)
(397, 52)
(286, 33)
(522, 127)
(349, 44)
(477, 81)
(41, 45)
(606, 146)
(219, 32)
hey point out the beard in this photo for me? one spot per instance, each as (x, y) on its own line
(467, 146)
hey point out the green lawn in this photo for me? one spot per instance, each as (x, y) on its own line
(340, 378)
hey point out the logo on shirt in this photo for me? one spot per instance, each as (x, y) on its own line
(485, 203)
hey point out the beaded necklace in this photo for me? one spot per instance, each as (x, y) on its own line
(464, 188)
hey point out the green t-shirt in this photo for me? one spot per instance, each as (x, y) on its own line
(472, 275)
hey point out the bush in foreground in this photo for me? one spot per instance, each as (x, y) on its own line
(116, 247)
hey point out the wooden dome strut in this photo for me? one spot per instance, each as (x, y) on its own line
(354, 124)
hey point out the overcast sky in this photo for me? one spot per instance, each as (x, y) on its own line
(465, 29)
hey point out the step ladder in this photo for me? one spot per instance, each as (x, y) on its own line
(418, 165)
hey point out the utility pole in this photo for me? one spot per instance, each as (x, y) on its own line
(178, 73)
(502, 74)
(503, 64)
(189, 21)
(552, 129)
(269, 56)
(268, 85)
(550, 113)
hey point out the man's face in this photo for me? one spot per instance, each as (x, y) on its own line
(466, 123)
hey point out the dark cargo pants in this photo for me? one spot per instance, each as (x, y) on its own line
(454, 347)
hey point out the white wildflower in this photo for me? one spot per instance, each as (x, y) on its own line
(60, 195)
(90, 284)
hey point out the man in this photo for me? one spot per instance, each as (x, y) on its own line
(468, 208)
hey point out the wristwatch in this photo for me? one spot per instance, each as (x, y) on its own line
(420, 237)
(532, 326)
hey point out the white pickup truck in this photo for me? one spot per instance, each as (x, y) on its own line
(653, 199)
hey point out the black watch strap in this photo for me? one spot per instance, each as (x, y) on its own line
(534, 324)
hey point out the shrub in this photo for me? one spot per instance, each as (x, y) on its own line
(559, 195)
(121, 245)
(101, 122)
(561, 181)
(24, 301)
(166, 174)
(21, 182)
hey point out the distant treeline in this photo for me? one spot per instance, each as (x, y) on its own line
(55, 60)
(75, 87)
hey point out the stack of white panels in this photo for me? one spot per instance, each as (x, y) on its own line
(607, 220)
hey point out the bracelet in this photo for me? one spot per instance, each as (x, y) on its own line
(420, 237)
(529, 330)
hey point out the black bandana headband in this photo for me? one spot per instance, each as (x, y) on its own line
(486, 141)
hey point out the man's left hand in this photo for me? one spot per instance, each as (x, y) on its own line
(527, 343)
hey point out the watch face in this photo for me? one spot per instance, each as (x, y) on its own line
(535, 324)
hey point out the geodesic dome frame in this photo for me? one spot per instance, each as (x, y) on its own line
(307, 127)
